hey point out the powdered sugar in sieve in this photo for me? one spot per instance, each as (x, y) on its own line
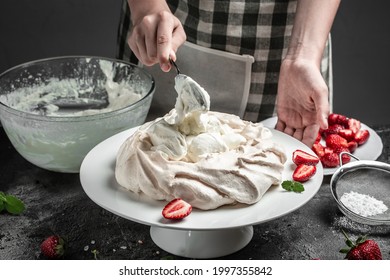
(363, 204)
(362, 190)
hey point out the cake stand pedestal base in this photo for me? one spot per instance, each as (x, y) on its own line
(201, 244)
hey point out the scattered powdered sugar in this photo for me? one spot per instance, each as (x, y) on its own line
(347, 224)
(363, 204)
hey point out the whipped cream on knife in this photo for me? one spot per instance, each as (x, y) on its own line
(207, 158)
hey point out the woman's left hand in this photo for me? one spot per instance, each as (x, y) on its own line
(302, 100)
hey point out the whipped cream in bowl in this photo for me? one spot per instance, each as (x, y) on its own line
(45, 106)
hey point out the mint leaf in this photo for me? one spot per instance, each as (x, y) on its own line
(292, 186)
(13, 204)
(1, 205)
(298, 187)
(287, 185)
(2, 196)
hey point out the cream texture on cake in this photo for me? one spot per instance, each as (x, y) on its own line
(207, 158)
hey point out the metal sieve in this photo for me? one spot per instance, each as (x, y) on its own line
(366, 178)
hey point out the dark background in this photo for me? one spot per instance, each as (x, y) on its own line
(33, 29)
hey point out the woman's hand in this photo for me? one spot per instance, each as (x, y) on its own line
(302, 100)
(156, 33)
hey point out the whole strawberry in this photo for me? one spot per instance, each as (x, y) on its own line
(361, 249)
(53, 247)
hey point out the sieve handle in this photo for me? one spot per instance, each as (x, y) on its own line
(346, 153)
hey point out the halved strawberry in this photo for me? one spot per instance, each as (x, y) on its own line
(344, 158)
(301, 157)
(318, 149)
(318, 139)
(337, 119)
(177, 209)
(361, 136)
(330, 160)
(332, 129)
(354, 125)
(347, 134)
(304, 172)
(335, 141)
(352, 146)
(328, 150)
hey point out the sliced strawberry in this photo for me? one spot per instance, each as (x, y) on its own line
(330, 160)
(344, 158)
(352, 146)
(347, 134)
(332, 129)
(336, 141)
(337, 119)
(303, 172)
(301, 157)
(362, 136)
(354, 125)
(177, 209)
(318, 149)
(318, 139)
(328, 150)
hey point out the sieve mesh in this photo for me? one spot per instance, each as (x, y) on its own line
(364, 178)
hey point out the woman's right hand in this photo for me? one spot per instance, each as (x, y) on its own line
(156, 33)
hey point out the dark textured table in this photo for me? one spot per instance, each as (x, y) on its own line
(57, 204)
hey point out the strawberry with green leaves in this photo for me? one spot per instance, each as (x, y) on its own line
(361, 249)
(53, 247)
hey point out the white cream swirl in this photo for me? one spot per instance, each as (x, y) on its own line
(207, 158)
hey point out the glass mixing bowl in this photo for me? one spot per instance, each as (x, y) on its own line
(56, 110)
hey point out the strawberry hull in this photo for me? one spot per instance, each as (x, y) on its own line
(361, 249)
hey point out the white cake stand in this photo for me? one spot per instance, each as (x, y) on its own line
(200, 244)
(203, 234)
